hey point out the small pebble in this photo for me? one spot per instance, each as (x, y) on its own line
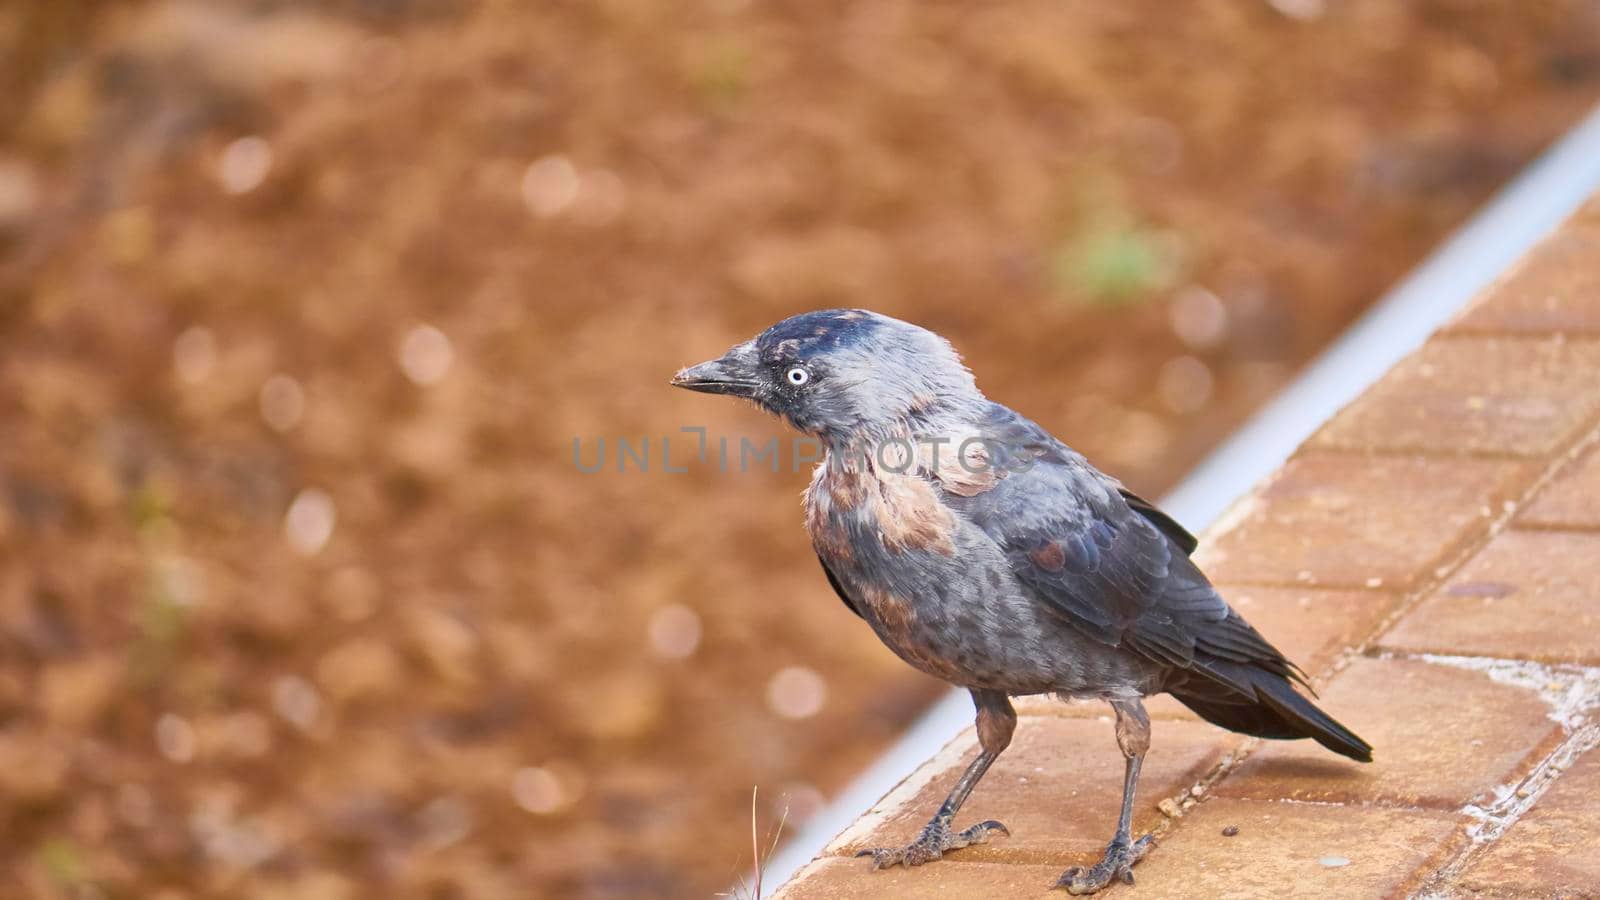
(1230, 831)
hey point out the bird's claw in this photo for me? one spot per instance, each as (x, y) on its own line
(935, 840)
(1118, 863)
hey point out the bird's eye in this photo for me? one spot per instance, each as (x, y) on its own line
(797, 376)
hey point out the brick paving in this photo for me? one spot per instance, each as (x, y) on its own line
(1432, 557)
(1350, 520)
(1520, 598)
(1555, 290)
(1450, 737)
(1570, 501)
(1554, 846)
(1476, 395)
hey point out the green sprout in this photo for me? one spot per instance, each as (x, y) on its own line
(63, 862)
(721, 72)
(1113, 264)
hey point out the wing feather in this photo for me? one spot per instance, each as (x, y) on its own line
(833, 581)
(1110, 563)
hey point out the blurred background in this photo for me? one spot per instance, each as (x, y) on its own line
(304, 304)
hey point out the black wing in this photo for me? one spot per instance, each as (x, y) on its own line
(1118, 570)
(1109, 562)
(1123, 581)
(1166, 524)
(839, 589)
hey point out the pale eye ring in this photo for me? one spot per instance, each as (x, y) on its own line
(797, 375)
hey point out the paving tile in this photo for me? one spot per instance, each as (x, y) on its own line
(1571, 499)
(1519, 396)
(1311, 626)
(1293, 849)
(1442, 737)
(1527, 595)
(1555, 289)
(1554, 849)
(1353, 521)
(1058, 788)
(832, 878)
(1589, 212)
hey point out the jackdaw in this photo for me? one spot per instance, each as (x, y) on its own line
(987, 553)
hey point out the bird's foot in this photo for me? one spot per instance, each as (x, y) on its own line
(935, 840)
(1118, 862)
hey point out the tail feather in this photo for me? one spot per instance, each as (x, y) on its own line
(1271, 708)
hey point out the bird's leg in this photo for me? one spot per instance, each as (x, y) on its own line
(1133, 736)
(996, 722)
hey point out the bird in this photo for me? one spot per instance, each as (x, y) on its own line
(987, 553)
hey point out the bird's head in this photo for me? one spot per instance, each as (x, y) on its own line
(841, 374)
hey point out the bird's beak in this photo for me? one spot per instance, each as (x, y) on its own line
(733, 373)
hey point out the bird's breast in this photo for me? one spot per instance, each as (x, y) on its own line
(851, 504)
(886, 536)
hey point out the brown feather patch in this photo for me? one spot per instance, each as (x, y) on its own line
(1049, 557)
(961, 464)
(825, 500)
(904, 508)
(911, 516)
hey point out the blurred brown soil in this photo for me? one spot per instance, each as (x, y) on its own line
(269, 269)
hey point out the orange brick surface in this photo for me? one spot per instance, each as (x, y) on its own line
(832, 878)
(1556, 290)
(1522, 597)
(1572, 499)
(1554, 850)
(1517, 396)
(1292, 849)
(1343, 520)
(1442, 737)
